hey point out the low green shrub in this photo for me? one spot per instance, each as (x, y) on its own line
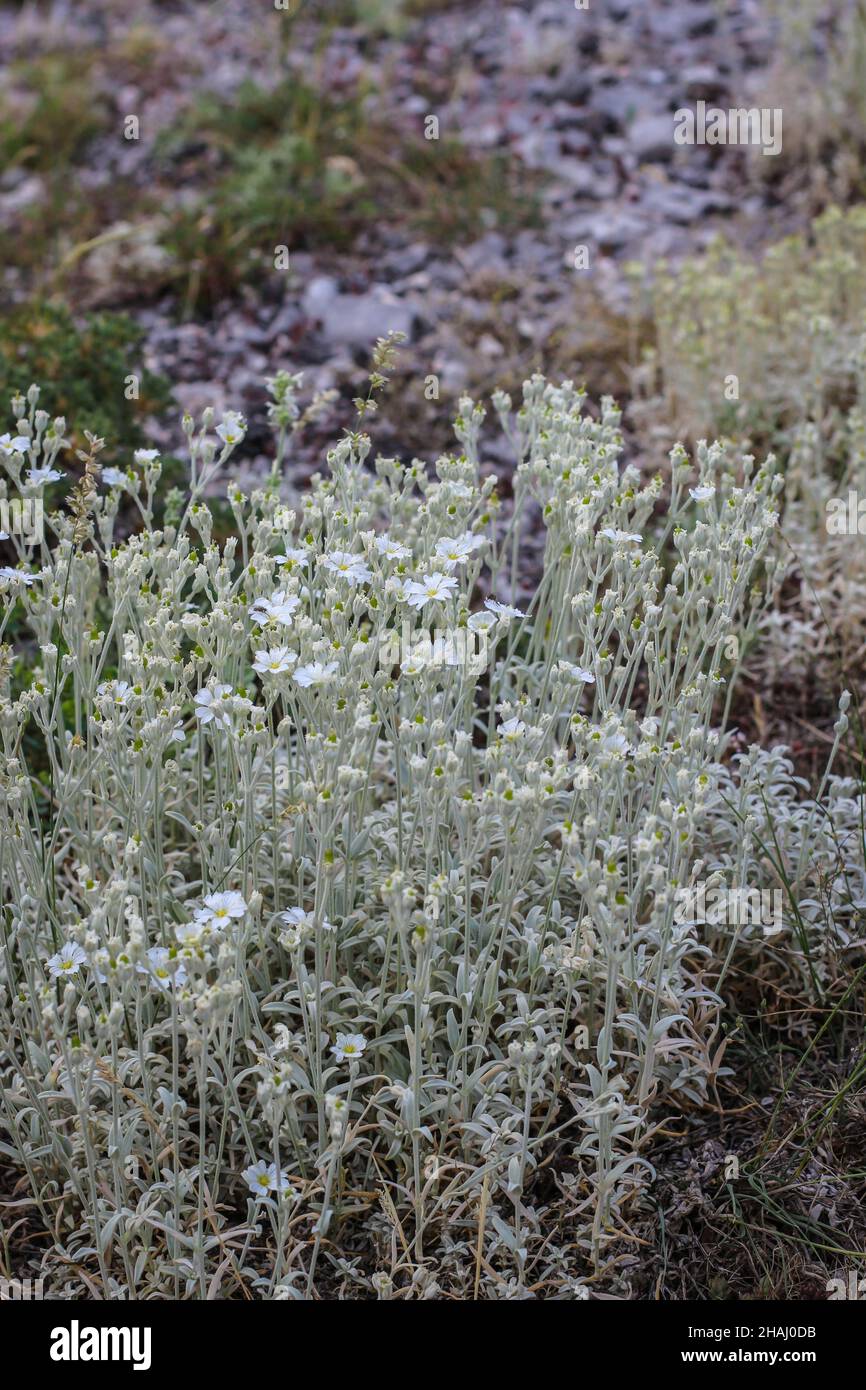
(90, 364)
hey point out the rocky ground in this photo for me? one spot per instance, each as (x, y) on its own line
(579, 102)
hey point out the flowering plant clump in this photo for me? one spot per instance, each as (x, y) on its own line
(312, 961)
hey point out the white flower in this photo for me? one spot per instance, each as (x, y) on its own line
(37, 476)
(512, 729)
(19, 576)
(577, 673)
(702, 494)
(67, 961)
(297, 917)
(398, 588)
(14, 444)
(201, 928)
(211, 704)
(158, 968)
(177, 734)
(275, 661)
(503, 610)
(430, 588)
(114, 477)
(118, 691)
(615, 743)
(315, 673)
(456, 550)
(142, 456)
(415, 664)
(222, 907)
(279, 607)
(481, 622)
(348, 1046)
(292, 937)
(232, 427)
(392, 550)
(336, 1107)
(351, 567)
(621, 537)
(262, 1178)
(296, 554)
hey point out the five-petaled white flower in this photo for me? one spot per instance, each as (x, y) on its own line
(503, 611)
(351, 567)
(274, 662)
(222, 907)
(118, 691)
(481, 622)
(456, 550)
(157, 968)
(615, 742)
(37, 476)
(297, 555)
(262, 1178)
(430, 588)
(315, 673)
(279, 607)
(512, 729)
(145, 455)
(348, 1046)
(702, 494)
(232, 427)
(67, 961)
(14, 444)
(621, 537)
(114, 477)
(392, 550)
(16, 576)
(211, 704)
